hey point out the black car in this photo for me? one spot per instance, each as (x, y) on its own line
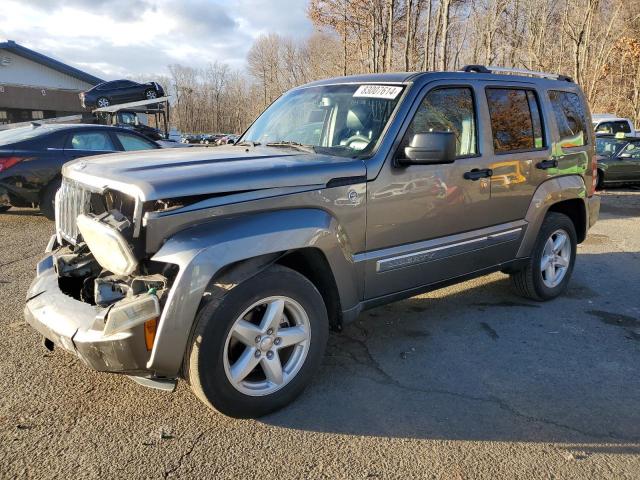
(120, 91)
(618, 158)
(31, 158)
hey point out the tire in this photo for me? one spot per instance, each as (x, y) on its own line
(48, 198)
(102, 102)
(531, 282)
(600, 180)
(150, 94)
(4, 208)
(210, 360)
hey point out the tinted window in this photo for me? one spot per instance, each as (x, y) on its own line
(607, 147)
(570, 117)
(132, 142)
(94, 141)
(614, 127)
(515, 120)
(447, 110)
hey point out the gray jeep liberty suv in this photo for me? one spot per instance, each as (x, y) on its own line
(226, 267)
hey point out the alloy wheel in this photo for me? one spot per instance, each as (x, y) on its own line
(267, 346)
(556, 258)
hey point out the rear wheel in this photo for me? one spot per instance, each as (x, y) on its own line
(256, 347)
(48, 199)
(103, 102)
(549, 269)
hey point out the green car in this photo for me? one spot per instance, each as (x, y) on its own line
(618, 160)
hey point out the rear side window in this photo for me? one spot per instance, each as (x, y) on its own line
(447, 110)
(570, 117)
(131, 142)
(515, 120)
(93, 141)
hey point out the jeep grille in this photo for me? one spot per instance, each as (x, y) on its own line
(71, 200)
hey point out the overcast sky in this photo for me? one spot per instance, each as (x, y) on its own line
(117, 38)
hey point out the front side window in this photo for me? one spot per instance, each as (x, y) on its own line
(132, 142)
(341, 120)
(515, 120)
(93, 141)
(570, 116)
(632, 151)
(447, 110)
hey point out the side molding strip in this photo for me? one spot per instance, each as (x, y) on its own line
(436, 253)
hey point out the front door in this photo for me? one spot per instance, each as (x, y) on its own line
(425, 223)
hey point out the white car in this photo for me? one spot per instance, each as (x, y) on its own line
(609, 123)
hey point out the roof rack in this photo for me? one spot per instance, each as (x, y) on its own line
(515, 71)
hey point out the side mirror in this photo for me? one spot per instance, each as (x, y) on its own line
(431, 147)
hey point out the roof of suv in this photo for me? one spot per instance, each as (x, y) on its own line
(405, 77)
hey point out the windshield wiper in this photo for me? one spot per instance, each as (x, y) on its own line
(247, 143)
(297, 145)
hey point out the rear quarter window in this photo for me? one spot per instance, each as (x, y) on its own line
(571, 118)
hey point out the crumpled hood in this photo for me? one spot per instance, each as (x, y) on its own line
(172, 173)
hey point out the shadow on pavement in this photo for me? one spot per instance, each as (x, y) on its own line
(483, 364)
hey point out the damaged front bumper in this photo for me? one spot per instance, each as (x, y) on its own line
(78, 327)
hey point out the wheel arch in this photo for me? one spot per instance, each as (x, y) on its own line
(309, 241)
(567, 195)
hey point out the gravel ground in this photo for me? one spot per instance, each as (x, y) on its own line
(469, 381)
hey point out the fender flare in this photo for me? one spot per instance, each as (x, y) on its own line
(550, 192)
(202, 251)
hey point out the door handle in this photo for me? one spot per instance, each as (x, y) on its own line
(545, 164)
(477, 174)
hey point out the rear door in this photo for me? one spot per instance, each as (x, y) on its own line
(82, 143)
(520, 147)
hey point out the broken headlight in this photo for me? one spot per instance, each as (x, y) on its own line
(103, 234)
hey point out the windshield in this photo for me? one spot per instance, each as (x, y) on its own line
(341, 120)
(608, 147)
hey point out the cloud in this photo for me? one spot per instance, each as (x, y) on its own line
(116, 38)
(122, 10)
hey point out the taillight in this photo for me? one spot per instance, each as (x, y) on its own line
(8, 162)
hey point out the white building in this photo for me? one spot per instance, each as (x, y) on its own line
(34, 86)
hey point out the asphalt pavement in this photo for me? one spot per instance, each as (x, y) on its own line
(466, 382)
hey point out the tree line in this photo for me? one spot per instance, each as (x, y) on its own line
(596, 42)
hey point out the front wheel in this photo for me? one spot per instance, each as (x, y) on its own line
(255, 348)
(552, 260)
(150, 94)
